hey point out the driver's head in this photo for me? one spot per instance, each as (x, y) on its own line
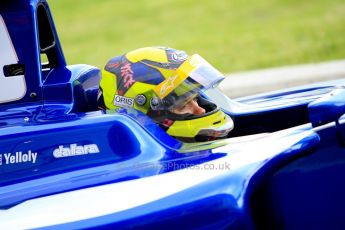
(165, 84)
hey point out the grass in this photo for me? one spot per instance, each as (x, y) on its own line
(233, 35)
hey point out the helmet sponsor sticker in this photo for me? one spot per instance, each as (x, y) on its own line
(75, 150)
(127, 75)
(176, 56)
(172, 82)
(168, 85)
(123, 101)
(18, 157)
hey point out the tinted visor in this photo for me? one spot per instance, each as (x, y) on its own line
(192, 77)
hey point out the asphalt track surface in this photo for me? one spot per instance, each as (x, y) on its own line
(258, 81)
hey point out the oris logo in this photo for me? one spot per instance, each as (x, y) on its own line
(123, 101)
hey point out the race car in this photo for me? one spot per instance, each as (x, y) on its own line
(66, 164)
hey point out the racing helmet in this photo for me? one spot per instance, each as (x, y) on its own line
(159, 80)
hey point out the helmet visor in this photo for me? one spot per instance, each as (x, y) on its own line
(192, 77)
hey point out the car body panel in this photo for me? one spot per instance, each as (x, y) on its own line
(231, 183)
(65, 164)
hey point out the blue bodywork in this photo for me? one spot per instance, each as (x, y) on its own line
(65, 164)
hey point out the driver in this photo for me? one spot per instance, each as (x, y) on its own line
(165, 84)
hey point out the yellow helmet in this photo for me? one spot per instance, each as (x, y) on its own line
(159, 80)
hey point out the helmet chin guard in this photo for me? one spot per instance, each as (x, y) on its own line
(213, 124)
